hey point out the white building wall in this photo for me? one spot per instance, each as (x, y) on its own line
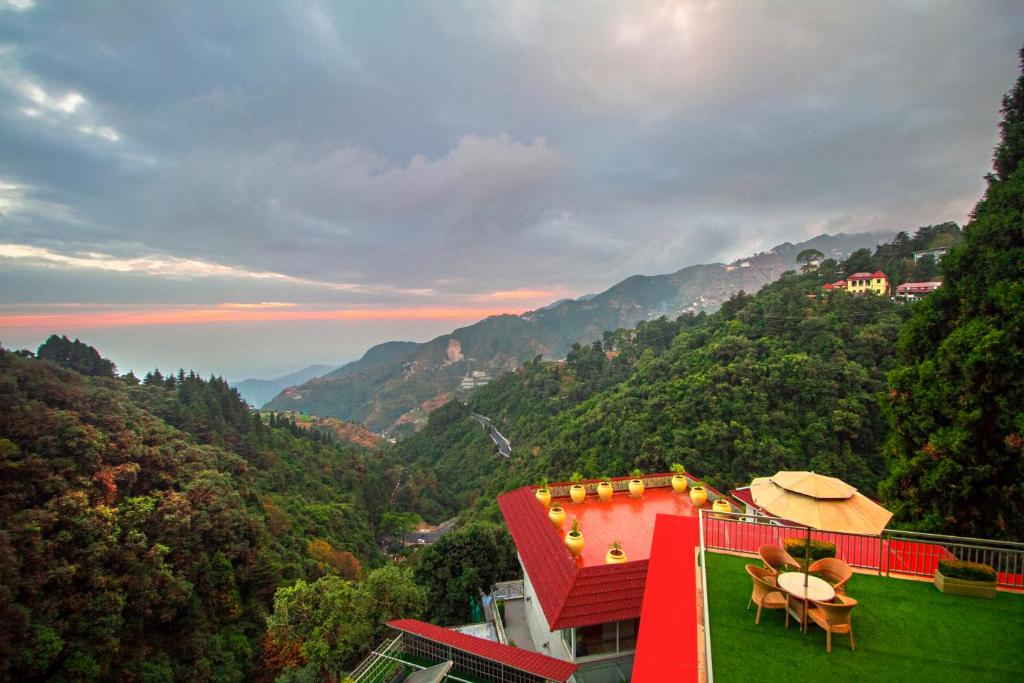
(544, 641)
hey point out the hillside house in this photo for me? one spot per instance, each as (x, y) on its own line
(862, 283)
(912, 291)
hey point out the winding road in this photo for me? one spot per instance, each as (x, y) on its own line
(503, 444)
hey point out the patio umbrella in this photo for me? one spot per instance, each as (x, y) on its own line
(819, 502)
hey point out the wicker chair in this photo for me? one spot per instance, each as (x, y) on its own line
(834, 617)
(777, 559)
(766, 593)
(836, 572)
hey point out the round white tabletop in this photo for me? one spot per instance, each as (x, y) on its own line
(817, 589)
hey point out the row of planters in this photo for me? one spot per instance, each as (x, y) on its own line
(605, 489)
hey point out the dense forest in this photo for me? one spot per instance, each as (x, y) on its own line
(144, 527)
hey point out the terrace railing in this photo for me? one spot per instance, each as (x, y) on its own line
(893, 552)
(917, 553)
(507, 590)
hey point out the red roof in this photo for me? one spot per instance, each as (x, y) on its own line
(524, 660)
(667, 649)
(570, 595)
(917, 287)
(575, 592)
(867, 276)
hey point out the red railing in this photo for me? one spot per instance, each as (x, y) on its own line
(894, 552)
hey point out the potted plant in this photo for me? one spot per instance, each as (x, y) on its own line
(636, 484)
(604, 489)
(806, 553)
(615, 554)
(679, 482)
(577, 491)
(956, 577)
(721, 505)
(543, 495)
(574, 539)
(698, 494)
(557, 515)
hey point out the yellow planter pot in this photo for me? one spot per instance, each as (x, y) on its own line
(679, 483)
(578, 493)
(604, 491)
(636, 488)
(615, 557)
(721, 506)
(557, 515)
(574, 543)
(698, 496)
(544, 496)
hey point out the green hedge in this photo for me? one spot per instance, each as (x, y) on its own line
(818, 550)
(970, 571)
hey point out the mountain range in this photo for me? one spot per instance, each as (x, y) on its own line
(395, 384)
(258, 391)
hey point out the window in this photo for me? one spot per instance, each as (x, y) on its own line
(629, 630)
(608, 638)
(595, 640)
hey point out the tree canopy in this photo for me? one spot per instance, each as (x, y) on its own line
(957, 401)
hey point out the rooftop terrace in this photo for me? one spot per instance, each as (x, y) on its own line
(904, 630)
(630, 521)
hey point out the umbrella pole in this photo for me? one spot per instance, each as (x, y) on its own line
(807, 575)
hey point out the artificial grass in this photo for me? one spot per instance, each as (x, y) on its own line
(903, 631)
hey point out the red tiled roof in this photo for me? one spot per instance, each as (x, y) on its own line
(860, 276)
(879, 273)
(917, 287)
(570, 594)
(524, 660)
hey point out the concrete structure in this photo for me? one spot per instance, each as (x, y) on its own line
(934, 253)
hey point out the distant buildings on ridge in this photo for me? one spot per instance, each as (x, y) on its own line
(878, 283)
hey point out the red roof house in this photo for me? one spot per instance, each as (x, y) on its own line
(543, 666)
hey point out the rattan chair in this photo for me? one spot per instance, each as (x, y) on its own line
(777, 559)
(835, 571)
(834, 617)
(766, 593)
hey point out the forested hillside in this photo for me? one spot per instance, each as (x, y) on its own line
(395, 378)
(789, 378)
(145, 527)
(957, 401)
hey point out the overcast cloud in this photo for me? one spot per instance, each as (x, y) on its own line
(459, 157)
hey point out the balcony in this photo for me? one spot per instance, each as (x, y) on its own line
(904, 628)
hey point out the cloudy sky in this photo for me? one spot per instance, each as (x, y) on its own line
(250, 187)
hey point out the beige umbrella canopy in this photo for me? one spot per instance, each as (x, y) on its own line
(820, 502)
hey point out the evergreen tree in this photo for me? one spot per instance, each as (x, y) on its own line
(76, 355)
(957, 402)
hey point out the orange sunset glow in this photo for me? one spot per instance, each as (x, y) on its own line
(228, 313)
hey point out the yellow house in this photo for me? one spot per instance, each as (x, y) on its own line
(860, 283)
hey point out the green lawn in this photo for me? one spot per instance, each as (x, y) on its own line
(903, 630)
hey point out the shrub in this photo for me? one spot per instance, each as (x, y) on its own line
(969, 571)
(818, 550)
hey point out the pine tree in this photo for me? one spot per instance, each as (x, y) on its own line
(957, 402)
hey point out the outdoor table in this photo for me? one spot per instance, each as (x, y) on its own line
(816, 589)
